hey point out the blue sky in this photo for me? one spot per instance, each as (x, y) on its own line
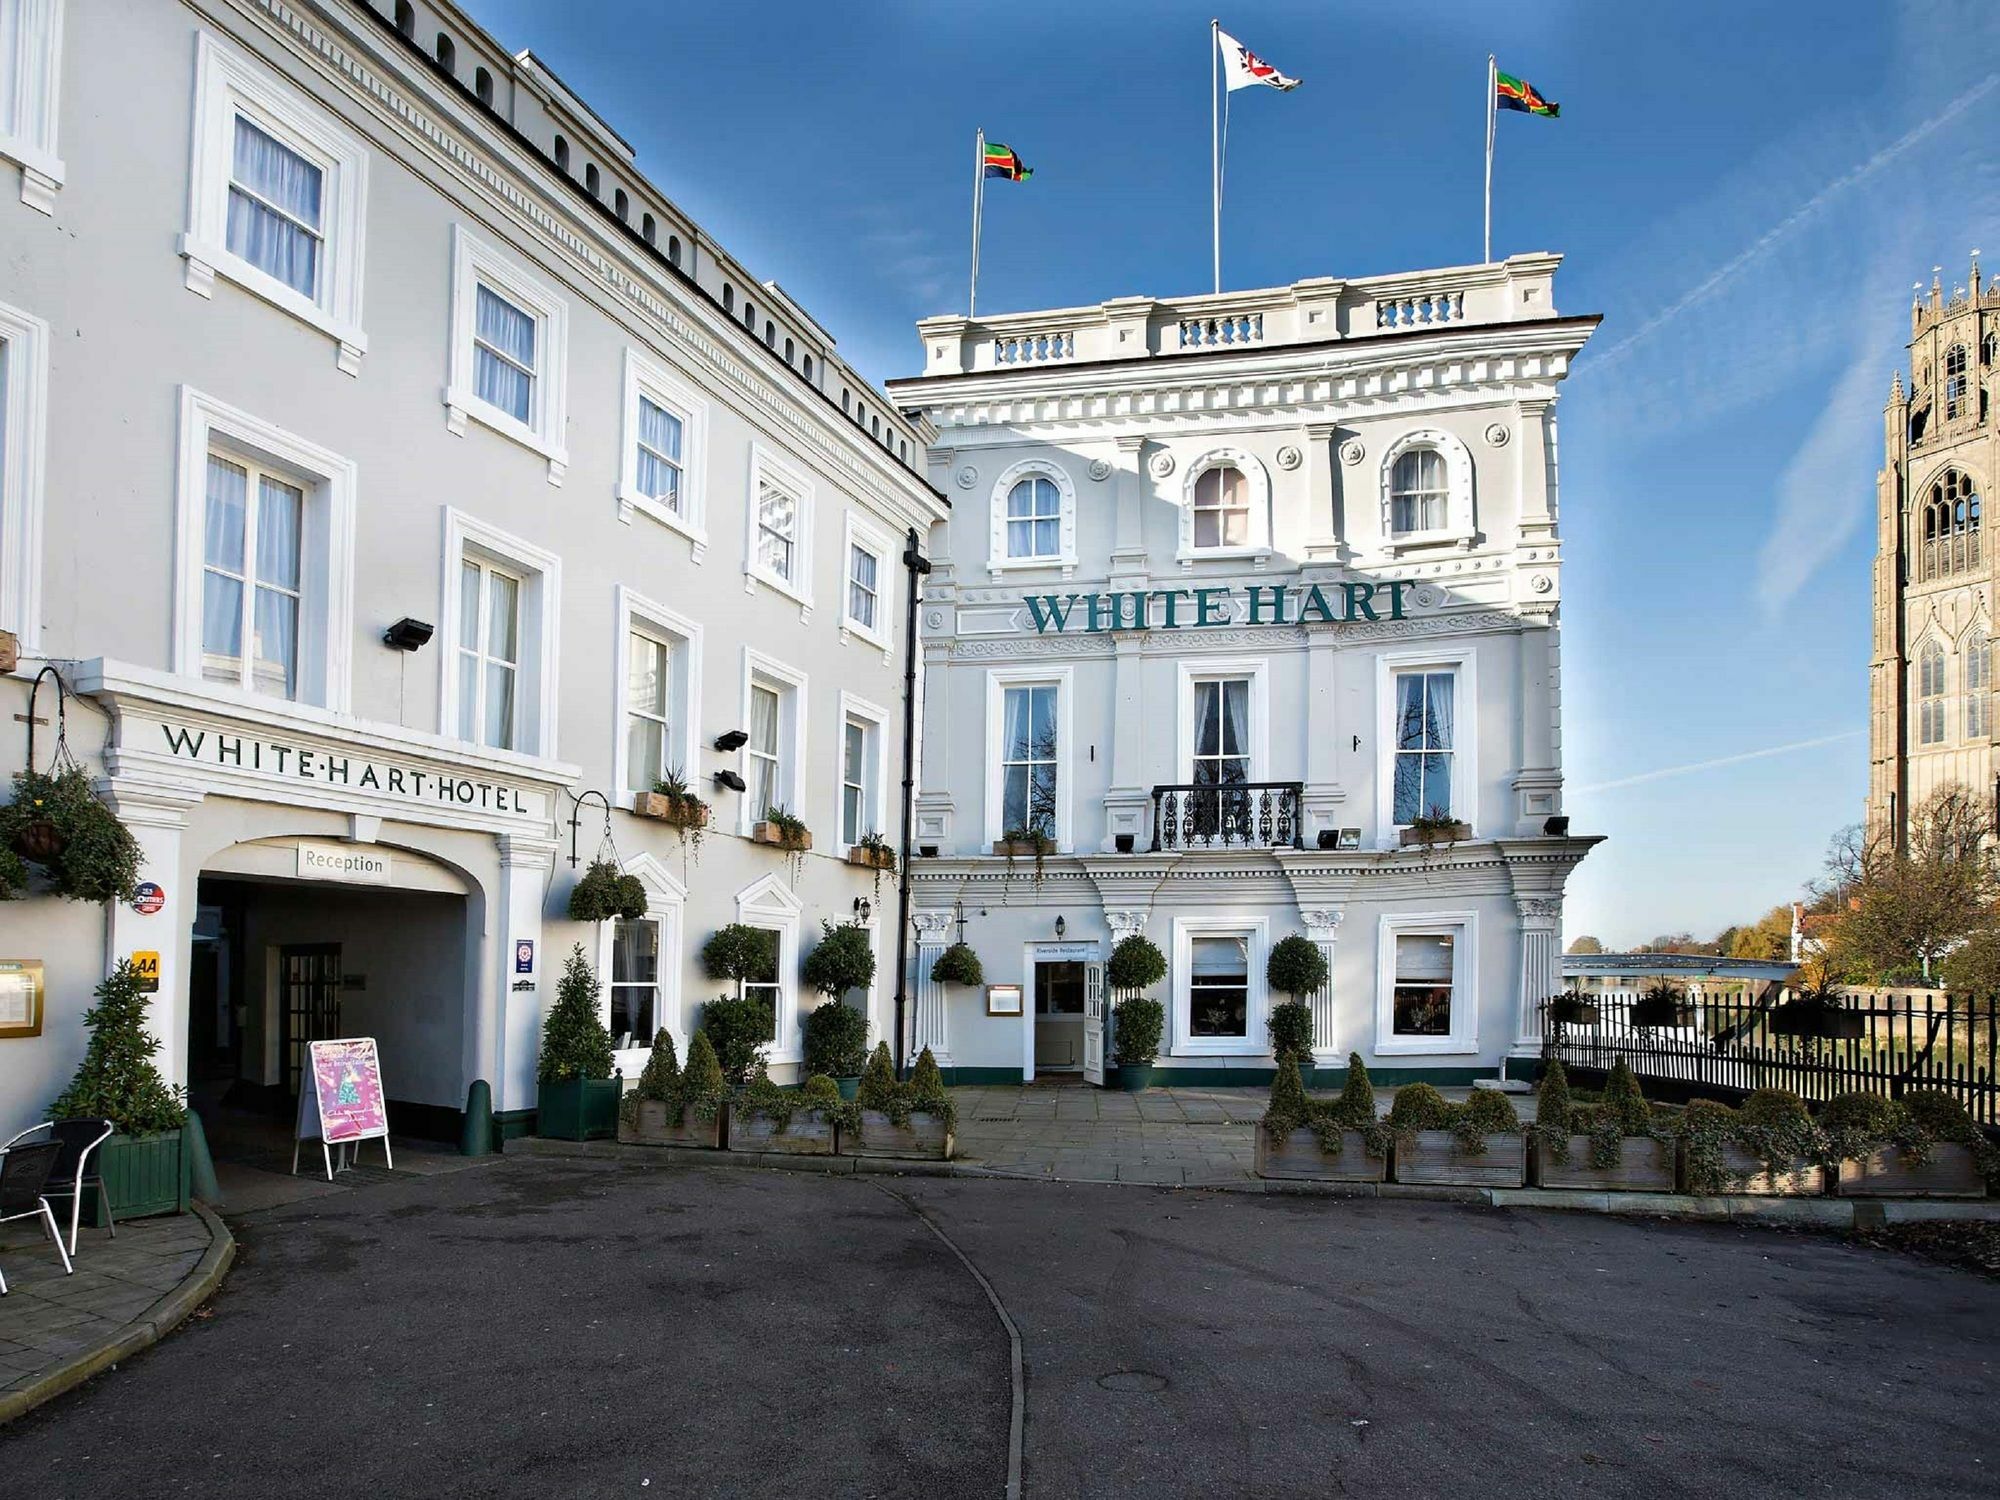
(1746, 193)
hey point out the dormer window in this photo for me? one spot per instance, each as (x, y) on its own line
(1427, 491)
(1222, 508)
(1419, 493)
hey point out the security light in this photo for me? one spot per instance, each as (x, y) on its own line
(730, 780)
(735, 739)
(1556, 828)
(407, 634)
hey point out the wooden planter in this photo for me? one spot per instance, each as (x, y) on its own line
(769, 833)
(1644, 1165)
(1457, 833)
(1887, 1173)
(1018, 849)
(655, 1127)
(1746, 1173)
(808, 1133)
(144, 1174)
(871, 859)
(1435, 1157)
(925, 1138)
(579, 1109)
(680, 813)
(1299, 1157)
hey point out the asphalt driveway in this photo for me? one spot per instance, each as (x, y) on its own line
(535, 1327)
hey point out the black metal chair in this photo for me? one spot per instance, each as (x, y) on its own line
(73, 1175)
(24, 1172)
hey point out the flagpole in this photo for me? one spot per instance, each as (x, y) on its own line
(1492, 85)
(978, 205)
(1215, 141)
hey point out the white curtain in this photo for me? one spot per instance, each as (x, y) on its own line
(861, 586)
(659, 453)
(279, 512)
(260, 231)
(501, 325)
(222, 549)
(1236, 730)
(764, 785)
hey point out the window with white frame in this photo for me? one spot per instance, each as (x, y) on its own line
(665, 433)
(777, 532)
(1031, 756)
(768, 906)
(1427, 499)
(865, 604)
(861, 743)
(264, 555)
(1978, 684)
(1426, 737)
(30, 79)
(1419, 492)
(635, 984)
(762, 983)
(1425, 968)
(1425, 999)
(766, 749)
(1034, 519)
(640, 959)
(659, 669)
(1219, 987)
(649, 684)
(1931, 695)
(774, 719)
(779, 544)
(508, 349)
(499, 646)
(1221, 508)
(24, 349)
(1221, 731)
(277, 197)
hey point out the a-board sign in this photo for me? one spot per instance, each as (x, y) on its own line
(340, 1099)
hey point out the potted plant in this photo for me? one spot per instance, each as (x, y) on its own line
(1662, 1004)
(836, 1034)
(1768, 1147)
(958, 964)
(739, 1026)
(606, 893)
(783, 829)
(912, 1121)
(872, 852)
(57, 821)
(1615, 1145)
(1572, 1008)
(1814, 1009)
(1429, 829)
(1135, 965)
(1138, 1021)
(1475, 1144)
(1322, 1140)
(146, 1163)
(1031, 841)
(1923, 1145)
(805, 1121)
(672, 1107)
(674, 803)
(578, 1096)
(1297, 967)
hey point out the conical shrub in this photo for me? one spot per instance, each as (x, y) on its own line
(878, 1081)
(1554, 1108)
(1356, 1104)
(1625, 1101)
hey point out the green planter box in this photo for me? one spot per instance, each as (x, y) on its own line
(579, 1109)
(144, 1174)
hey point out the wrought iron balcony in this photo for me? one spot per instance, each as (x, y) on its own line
(1241, 815)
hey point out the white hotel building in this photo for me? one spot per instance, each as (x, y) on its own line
(319, 316)
(1235, 587)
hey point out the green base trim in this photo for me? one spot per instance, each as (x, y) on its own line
(513, 1124)
(963, 1077)
(1329, 1079)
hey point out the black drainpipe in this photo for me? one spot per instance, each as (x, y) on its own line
(916, 567)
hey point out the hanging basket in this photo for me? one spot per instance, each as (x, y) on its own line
(40, 841)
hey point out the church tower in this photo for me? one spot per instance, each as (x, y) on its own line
(1931, 682)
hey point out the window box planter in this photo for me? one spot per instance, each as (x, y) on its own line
(1434, 1157)
(1299, 1157)
(144, 1174)
(1746, 1173)
(1566, 1012)
(1450, 833)
(765, 832)
(679, 812)
(1651, 1015)
(871, 859)
(925, 1138)
(1818, 1018)
(579, 1109)
(1886, 1173)
(1645, 1165)
(1021, 848)
(808, 1133)
(655, 1127)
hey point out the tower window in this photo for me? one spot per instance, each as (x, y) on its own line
(621, 204)
(590, 179)
(673, 250)
(647, 228)
(1954, 381)
(406, 18)
(1930, 695)
(1978, 684)
(1951, 527)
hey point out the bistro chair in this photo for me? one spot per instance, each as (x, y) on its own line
(20, 1138)
(24, 1172)
(73, 1175)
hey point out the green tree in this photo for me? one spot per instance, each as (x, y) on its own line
(1586, 944)
(117, 1080)
(1897, 905)
(1769, 937)
(574, 1041)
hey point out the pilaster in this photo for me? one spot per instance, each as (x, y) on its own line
(157, 816)
(1540, 972)
(1323, 524)
(928, 1022)
(1323, 931)
(504, 1024)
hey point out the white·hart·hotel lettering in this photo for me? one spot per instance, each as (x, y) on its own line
(275, 758)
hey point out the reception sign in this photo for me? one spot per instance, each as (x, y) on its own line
(341, 1102)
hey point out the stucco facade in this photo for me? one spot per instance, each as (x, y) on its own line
(491, 380)
(1234, 588)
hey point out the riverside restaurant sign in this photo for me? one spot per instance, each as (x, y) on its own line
(1177, 609)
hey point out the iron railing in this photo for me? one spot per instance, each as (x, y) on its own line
(1240, 815)
(1883, 1044)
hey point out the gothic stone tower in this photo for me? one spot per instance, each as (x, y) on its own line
(1931, 682)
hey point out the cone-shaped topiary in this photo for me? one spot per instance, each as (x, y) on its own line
(878, 1083)
(1136, 964)
(574, 1041)
(662, 1076)
(1356, 1104)
(116, 1080)
(1289, 1108)
(1625, 1101)
(925, 1078)
(702, 1087)
(1553, 1105)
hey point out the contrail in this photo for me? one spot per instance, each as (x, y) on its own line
(1721, 760)
(1770, 237)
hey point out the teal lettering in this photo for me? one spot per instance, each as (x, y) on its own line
(1138, 620)
(1206, 610)
(1359, 597)
(1173, 597)
(1315, 604)
(1046, 610)
(181, 742)
(1396, 597)
(230, 749)
(1277, 593)
(1100, 605)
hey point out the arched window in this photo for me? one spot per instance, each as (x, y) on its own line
(875, 423)
(1930, 695)
(1989, 351)
(648, 228)
(621, 205)
(482, 87)
(728, 298)
(673, 250)
(770, 334)
(406, 18)
(1950, 527)
(749, 313)
(1222, 508)
(1419, 492)
(1954, 381)
(1978, 684)
(590, 179)
(844, 401)
(790, 351)
(808, 365)
(447, 54)
(1034, 519)
(562, 154)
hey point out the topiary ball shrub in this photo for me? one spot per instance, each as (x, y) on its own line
(574, 1041)
(842, 960)
(1418, 1106)
(116, 1080)
(1291, 1028)
(958, 964)
(737, 952)
(737, 1027)
(1773, 1109)
(1490, 1112)
(1140, 1022)
(836, 1041)
(1296, 966)
(606, 893)
(1136, 964)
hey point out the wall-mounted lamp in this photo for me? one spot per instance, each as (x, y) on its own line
(863, 909)
(730, 780)
(1061, 927)
(735, 739)
(407, 634)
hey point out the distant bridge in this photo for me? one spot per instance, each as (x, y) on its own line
(1677, 965)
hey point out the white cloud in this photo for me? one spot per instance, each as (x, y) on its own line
(1716, 763)
(1822, 497)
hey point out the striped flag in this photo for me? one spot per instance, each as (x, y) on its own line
(1004, 161)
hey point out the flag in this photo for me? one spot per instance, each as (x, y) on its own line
(1246, 68)
(1510, 92)
(1003, 161)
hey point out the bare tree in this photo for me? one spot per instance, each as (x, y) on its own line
(1895, 907)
